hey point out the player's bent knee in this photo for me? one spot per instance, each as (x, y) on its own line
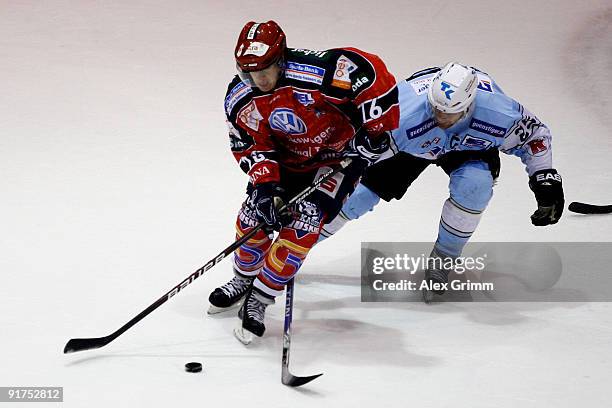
(472, 187)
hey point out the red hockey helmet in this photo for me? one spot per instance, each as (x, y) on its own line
(259, 46)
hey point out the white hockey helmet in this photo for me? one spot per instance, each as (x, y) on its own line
(453, 89)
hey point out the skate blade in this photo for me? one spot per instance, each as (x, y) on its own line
(243, 336)
(427, 296)
(212, 310)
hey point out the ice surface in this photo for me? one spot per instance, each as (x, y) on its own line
(116, 182)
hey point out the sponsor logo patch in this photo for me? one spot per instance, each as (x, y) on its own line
(344, 67)
(304, 72)
(252, 31)
(308, 220)
(477, 142)
(236, 94)
(544, 177)
(250, 116)
(319, 54)
(487, 128)
(259, 173)
(319, 139)
(359, 83)
(305, 98)
(485, 85)
(435, 151)
(420, 86)
(331, 185)
(420, 129)
(286, 121)
(257, 48)
(447, 89)
(537, 147)
(428, 143)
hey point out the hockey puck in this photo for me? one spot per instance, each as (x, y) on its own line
(193, 367)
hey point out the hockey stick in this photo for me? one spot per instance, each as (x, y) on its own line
(583, 208)
(75, 345)
(286, 377)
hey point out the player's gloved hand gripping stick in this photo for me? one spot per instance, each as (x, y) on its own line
(369, 148)
(269, 205)
(75, 345)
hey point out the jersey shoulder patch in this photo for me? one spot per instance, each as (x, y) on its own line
(420, 80)
(485, 83)
(421, 85)
(488, 128)
(342, 72)
(236, 92)
(303, 72)
(249, 115)
(306, 66)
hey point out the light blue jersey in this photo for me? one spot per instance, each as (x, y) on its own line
(495, 121)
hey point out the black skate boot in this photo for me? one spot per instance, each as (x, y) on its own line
(229, 296)
(436, 276)
(252, 314)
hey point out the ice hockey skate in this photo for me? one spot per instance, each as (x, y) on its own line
(436, 276)
(229, 296)
(436, 280)
(252, 315)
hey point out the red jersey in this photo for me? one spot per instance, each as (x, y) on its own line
(321, 99)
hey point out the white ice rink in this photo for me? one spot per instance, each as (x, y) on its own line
(116, 182)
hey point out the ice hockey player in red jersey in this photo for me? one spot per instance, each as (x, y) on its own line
(293, 114)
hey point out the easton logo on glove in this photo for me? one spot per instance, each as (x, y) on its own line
(548, 176)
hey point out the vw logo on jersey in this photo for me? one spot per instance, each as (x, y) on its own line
(286, 121)
(446, 88)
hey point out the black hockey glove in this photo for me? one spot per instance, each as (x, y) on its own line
(267, 201)
(369, 148)
(548, 190)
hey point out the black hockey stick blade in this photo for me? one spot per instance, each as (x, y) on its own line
(295, 381)
(583, 208)
(286, 377)
(75, 345)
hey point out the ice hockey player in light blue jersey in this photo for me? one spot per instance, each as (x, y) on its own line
(458, 118)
